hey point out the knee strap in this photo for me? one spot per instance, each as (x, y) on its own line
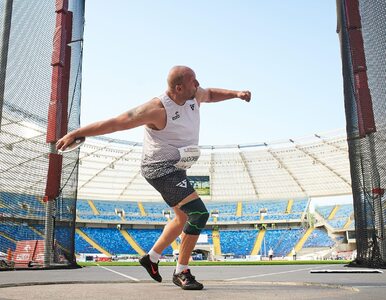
(197, 214)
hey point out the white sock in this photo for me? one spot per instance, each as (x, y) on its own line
(180, 268)
(154, 256)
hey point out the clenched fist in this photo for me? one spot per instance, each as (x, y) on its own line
(244, 95)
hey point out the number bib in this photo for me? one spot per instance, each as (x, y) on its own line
(188, 157)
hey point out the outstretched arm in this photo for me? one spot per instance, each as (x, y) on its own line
(211, 95)
(150, 114)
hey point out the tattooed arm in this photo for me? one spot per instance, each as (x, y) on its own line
(151, 114)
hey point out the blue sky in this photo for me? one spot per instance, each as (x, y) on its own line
(285, 52)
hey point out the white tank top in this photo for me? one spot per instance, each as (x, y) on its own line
(165, 151)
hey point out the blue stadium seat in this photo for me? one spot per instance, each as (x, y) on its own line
(318, 238)
(245, 241)
(6, 244)
(147, 237)
(110, 239)
(81, 246)
(281, 241)
(299, 205)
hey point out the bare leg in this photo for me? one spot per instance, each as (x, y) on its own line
(171, 231)
(186, 248)
(174, 228)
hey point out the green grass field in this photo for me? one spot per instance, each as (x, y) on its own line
(223, 263)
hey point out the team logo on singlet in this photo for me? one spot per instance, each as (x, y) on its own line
(192, 106)
(183, 184)
(176, 116)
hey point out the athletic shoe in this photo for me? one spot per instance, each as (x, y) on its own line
(186, 281)
(151, 268)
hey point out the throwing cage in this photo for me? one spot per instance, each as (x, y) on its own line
(40, 79)
(362, 28)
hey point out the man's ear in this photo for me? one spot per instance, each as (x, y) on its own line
(178, 88)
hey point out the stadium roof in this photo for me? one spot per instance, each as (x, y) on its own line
(109, 169)
(295, 168)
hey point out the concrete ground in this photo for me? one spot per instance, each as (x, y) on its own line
(221, 282)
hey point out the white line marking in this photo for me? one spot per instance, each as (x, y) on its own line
(369, 286)
(124, 275)
(268, 274)
(353, 271)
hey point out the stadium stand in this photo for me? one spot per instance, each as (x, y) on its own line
(300, 205)
(281, 241)
(272, 207)
(147, 237)
(82, 246)
(224, 208)
(20, 205)
(112, 241)
(318, 238)
(344, 211)
(83, 208)
(245, 241)
(324, 211)
(155, 208)
(338, 217)
(19, 232)
(6, 243)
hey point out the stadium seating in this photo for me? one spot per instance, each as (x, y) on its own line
(146, 219)
(155, 208)
(105, 207)
(324, 211)
(129, 207)
(83, 208)
(337, 223)
(281, 241)
(244, 245)
(19, 231)
(6, 244)
(102, 218)
(20, 205)
(272, 207)
(222, 208)
(62, 234)
(344, 211)
(113, 242)
(110, 239)
(147, 237)
(286, 217)
(339, 218)
(299, 206)
(318, 238)
(276, 211)
(81, 246)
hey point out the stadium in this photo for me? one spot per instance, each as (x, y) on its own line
(271, 205)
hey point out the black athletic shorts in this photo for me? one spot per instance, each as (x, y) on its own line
(173, 187)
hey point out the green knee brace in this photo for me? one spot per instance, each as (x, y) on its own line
(197, 214)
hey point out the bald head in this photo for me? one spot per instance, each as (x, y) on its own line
(177, 74)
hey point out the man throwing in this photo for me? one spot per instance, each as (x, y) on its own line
(172, 123)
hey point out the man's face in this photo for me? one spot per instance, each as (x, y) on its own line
(190, 85)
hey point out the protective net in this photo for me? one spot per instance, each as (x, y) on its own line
(33, 231)
(362, 28)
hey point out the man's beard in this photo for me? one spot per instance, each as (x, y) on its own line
(194, 95)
